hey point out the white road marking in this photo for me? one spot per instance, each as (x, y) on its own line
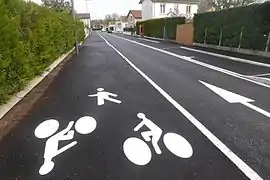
(227, 95)
(248, 171)
(149, 40)
(235, 98)
(46, 129)
(103, 95)
(85, 125)
(225, 71)
(137, 151)
(175, 143)
(259, 75)
(51, 147)
(153, 135)
(228, 57)
(178, 145)
(170, 47)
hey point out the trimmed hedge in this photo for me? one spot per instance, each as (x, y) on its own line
(31, 38)
(254, 19)
(155, 27)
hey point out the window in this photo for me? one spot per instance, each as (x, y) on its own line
(188, 8)
(130, 18)
(162, 8)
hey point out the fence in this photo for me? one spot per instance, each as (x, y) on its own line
(241, 35)
(184, 33)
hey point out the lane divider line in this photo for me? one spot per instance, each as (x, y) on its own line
(261, 75)
(248, 171)
(227, 57)
(209, 66)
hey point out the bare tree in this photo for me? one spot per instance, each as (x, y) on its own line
(217, 5)
(59, 5)
(115, 17)
(111, 18)
(108, 19)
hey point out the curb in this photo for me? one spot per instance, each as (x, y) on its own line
(5, 108)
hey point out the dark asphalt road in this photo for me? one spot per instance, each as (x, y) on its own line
(99, 155)
(239, 67)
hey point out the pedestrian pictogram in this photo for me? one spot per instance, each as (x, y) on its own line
(103, 95)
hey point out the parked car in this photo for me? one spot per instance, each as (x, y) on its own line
(110, 29)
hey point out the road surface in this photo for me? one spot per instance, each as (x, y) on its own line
(130, 109)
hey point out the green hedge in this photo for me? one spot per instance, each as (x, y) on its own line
(31, 38)
(155, 27)
(254, 19)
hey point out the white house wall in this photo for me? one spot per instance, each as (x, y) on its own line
(182, 9)
(147, 9)
(193, 9)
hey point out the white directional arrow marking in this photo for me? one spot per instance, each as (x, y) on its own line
(235, 98)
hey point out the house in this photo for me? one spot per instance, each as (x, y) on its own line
(121, 24)
(167, 8)
(133, 16)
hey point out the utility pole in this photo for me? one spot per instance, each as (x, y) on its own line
(89, 20)
(75, 29)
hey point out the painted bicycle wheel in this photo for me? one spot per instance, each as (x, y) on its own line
(85, 125)
(137, 151)
(178, 145)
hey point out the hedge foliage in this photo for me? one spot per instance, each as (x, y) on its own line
(31, 38)
(253, 19)
(155, 27)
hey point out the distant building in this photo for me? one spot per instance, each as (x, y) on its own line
(121, 24)
(167, 8)
(133, 16)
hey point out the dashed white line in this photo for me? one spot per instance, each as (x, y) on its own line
(250, 173)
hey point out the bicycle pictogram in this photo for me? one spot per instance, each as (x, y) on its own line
(139, 153)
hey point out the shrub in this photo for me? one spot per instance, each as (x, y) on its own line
(31, 37)
(155, 27)
(254, 19)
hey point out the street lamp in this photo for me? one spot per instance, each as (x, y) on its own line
(75, 30)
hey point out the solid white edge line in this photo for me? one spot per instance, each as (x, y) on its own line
(228, 57)
(250, 173)
(149, 40)
(225, 71)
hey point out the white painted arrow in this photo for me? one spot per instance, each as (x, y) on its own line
(235, 98)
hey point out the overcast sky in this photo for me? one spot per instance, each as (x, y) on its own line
(99, 8)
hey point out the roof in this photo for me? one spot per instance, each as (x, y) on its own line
(175, 1)
(136, 13)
